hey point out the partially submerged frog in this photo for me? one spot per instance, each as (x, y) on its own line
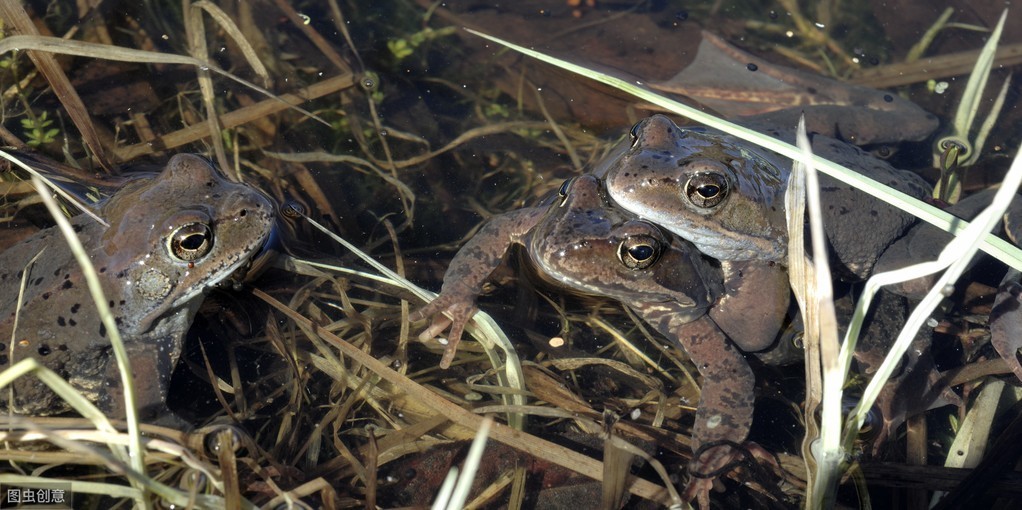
(726, 195)
(583, 244)
(171, 237)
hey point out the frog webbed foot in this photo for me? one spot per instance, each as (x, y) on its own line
(714, 459)
(450, 309)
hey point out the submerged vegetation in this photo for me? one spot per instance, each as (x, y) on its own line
(394, 129)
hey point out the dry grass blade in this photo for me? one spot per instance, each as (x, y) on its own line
(955, 257)
(122, 54)
(231, 29)
(238, 117)
(817, 303)
(196, 33)
(321, 44)
(30, 367)
(934, 68)
(461, 489)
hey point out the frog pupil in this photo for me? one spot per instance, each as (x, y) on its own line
(708, 190)
(641, 252)
(191, 242)
(563, 191)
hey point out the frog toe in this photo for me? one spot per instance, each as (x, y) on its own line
(699, 490)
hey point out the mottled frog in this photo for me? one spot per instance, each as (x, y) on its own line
(171, 237)
(726, 195)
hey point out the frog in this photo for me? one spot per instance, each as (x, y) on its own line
(579, 242)
(167, 239)
(726, 195)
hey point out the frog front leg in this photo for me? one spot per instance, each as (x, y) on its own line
(152, 364)
(468, 271)
(755, 303)
(724, 412)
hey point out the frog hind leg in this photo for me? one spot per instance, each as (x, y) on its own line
(917, 385)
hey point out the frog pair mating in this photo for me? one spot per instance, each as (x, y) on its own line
(170, 237)
(716, 193)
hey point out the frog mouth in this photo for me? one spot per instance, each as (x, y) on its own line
(252, 267)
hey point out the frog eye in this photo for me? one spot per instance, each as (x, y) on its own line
(562, 192)
(634, 132)
(565, 186)
(706, 190)
(639, 252)
(190, 242)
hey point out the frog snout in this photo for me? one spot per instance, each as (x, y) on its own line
(657, 131)
(585, 193)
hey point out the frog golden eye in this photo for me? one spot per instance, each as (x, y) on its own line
(706, 190)
(292, 209)
(190, 242)
(639, 252)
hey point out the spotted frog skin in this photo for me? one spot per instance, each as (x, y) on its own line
(171, 236)
(581, 243)
(726, 195)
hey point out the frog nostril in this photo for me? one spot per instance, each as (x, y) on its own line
(243, 213)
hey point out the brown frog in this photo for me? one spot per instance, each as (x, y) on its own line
(581, 243)
(726, 195)
(171, 237)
